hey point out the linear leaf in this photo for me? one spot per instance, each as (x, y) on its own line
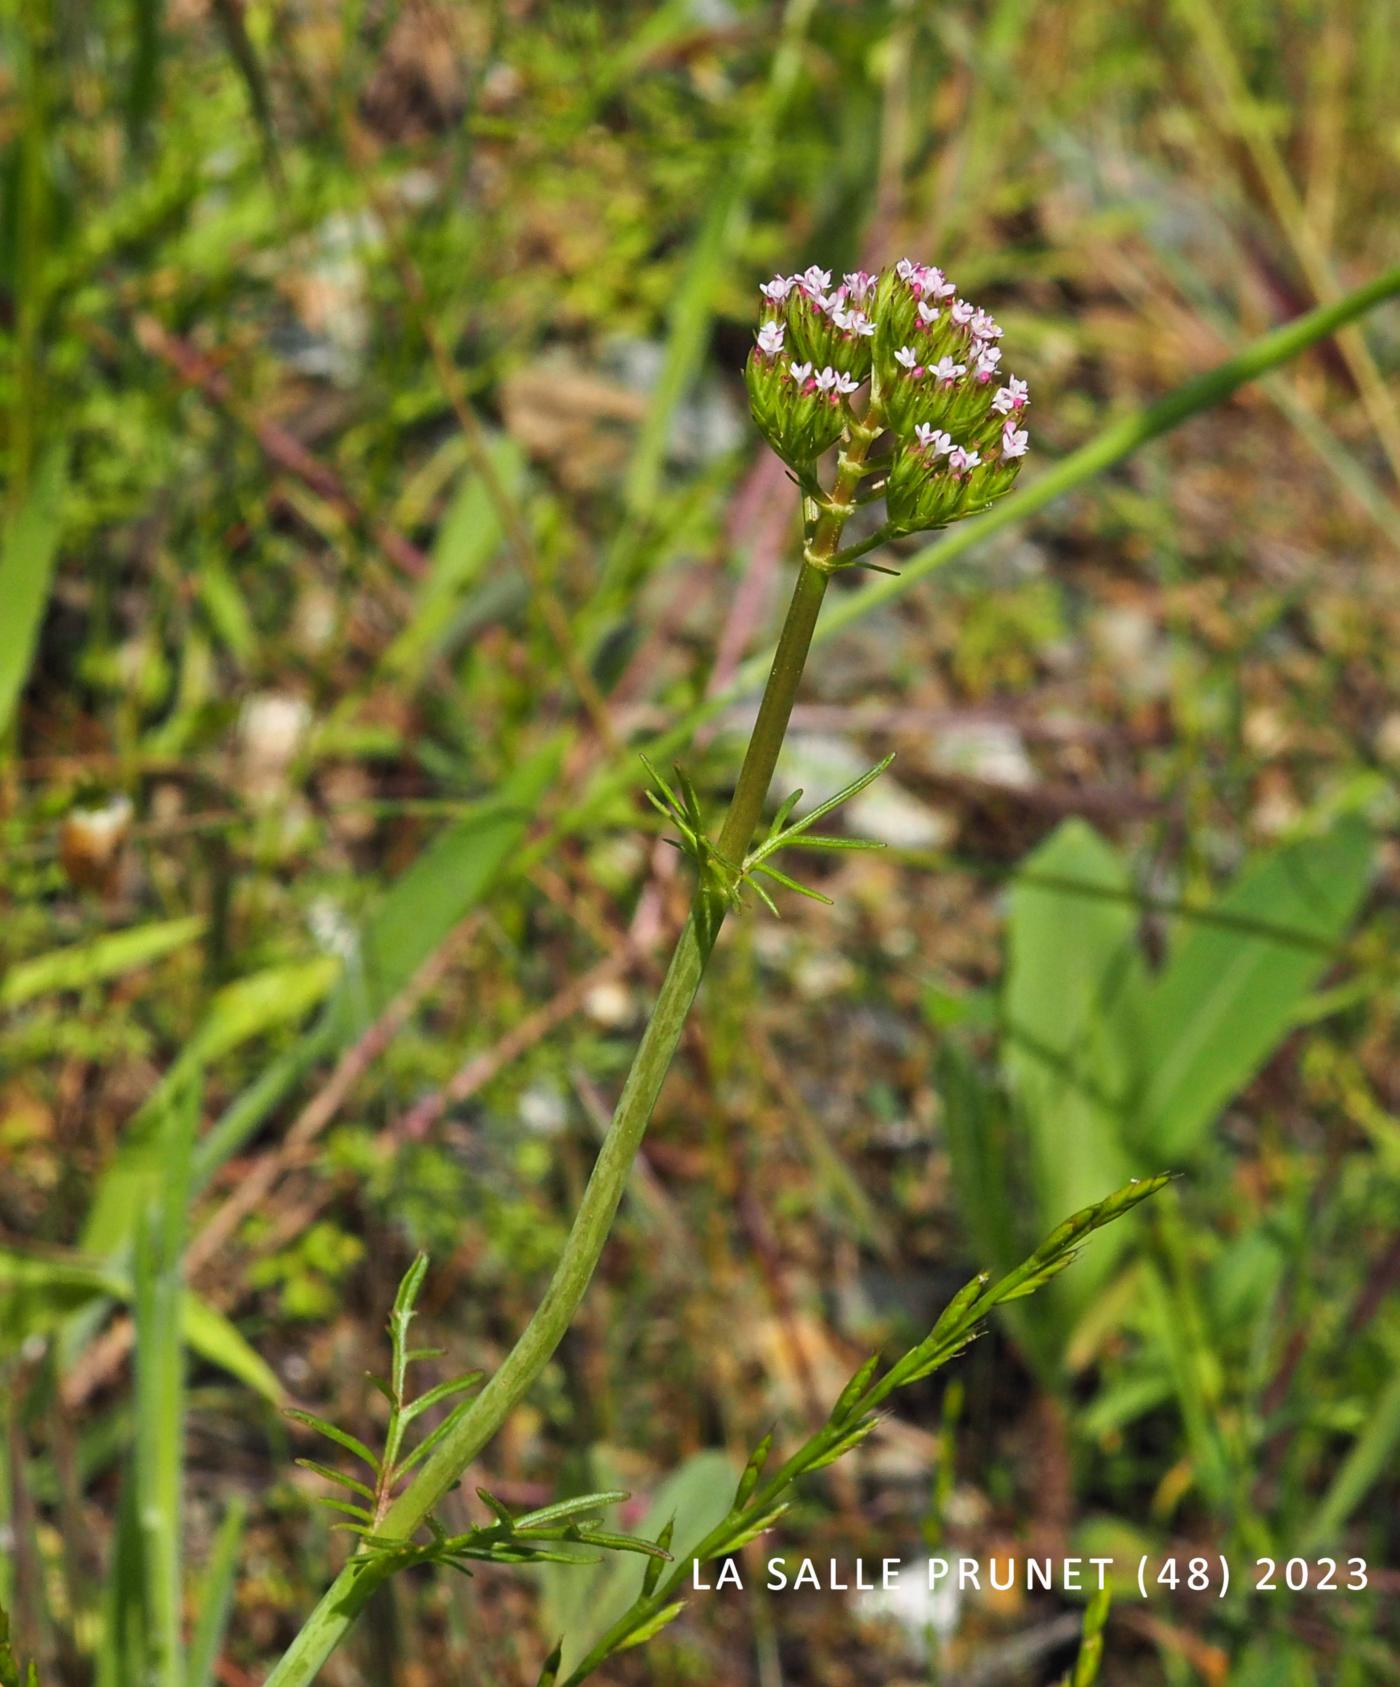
(27, 552)
(332, 1432)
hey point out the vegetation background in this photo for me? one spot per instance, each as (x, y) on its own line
(377, 479)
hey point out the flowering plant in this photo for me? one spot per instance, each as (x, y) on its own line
(895, 360)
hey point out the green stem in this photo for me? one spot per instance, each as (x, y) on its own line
(343, 1601)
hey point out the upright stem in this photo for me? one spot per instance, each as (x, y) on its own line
(346, 1596)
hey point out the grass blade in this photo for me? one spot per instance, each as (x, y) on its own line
(160, 1398)
(216, 1597)
(26, 573)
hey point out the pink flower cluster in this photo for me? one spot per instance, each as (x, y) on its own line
(953, 415)
(845, 305)
(934, 442)
(827, 380)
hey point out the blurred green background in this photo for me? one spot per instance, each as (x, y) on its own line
(377, 479)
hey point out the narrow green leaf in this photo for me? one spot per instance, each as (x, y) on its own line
(37, 1294)
(27, 551)
(824, 840)
(750, 1531)
(854, 1389)
(499, 1507)
(430, 1441)
(621, 1543)
(332, 1475)
(549, 1675)
(215, 1339)
(802, 890)
(214, 1602)
(652, 1574)
(653, 1626)
(844, 795)
(784, 814)
(565, 1509)
(160, 1396)
(410, 1286)
(752, 1471)
(1090, 1659)
(443, 1391)
(849, 1441)
(333, 1432)
(1371, 1455)
(765, 898)
(81, 964)
(346, 1507)
(468, 536)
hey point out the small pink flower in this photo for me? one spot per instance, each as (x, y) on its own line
(937, 285)
(815, 279)
(987, 360)
(906, 357)
(777, 289)
(985, 328)
(859, 285)
(960, 459)
(770, 338)
(933, 439)
(1014, 444)
(846, 384)
(1014, 396)
(928, 314)
(961, 312)
(800, 372)
(826, 379)
(853, 322)
(946, 370)
(907, 270)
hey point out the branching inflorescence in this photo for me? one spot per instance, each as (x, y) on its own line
(897, 355)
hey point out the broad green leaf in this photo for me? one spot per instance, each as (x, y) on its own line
(1233, 983)
(81, 964)
(1073, 1011)
(27, 552)
(37, 1294)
